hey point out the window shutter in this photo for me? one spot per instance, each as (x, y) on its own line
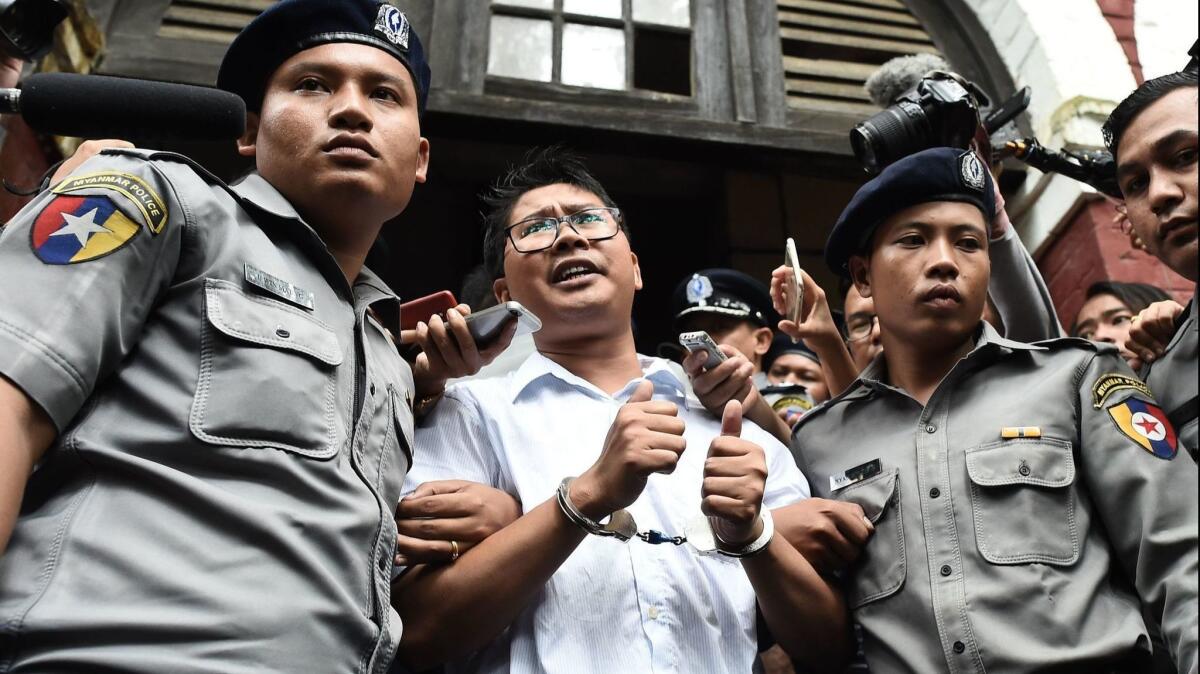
(830, 47)
(209, 20)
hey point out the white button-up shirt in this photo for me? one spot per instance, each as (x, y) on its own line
(612, 606)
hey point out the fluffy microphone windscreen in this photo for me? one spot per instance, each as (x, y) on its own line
(96, 106)
(899, 75)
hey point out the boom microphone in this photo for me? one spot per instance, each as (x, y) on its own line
(95, 106)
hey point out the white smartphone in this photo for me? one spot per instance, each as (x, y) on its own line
(700, 341)
(487, 325)
(795, 288)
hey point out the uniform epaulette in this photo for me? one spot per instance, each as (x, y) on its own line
(1077, 342)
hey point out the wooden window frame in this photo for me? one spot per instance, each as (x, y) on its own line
(555, 90)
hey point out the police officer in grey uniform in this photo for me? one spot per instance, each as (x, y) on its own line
(1026, 498)
(220, 423)
(1153, 137)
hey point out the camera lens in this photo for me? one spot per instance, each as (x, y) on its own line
(897, 131)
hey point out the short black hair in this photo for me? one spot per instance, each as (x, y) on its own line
(541, 166)
(1143, 97)
(1136, 296)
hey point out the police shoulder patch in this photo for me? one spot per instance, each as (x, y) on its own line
(72, 229)
(1110, 383)
(139, 194)
(1147, 426)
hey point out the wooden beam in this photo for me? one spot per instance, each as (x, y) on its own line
(207, 18)
(842, 70)
(857, 111)
(869, 28)
(852, 11)
(243, 5)
(820, 37)
(830, 89)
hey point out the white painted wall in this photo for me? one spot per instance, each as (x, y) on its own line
(1067, 53)
(1165, 30)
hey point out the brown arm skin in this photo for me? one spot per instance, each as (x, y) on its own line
(816, 328)
(25, 434)
(470, 596)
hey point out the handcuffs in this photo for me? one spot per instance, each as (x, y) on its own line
(698, 533)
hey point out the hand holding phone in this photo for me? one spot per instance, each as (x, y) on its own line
(700, 341)
(794, 288)
(486, 325)
(422, 309)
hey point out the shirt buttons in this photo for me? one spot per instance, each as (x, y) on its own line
(935, 492)
(946, 570)
(385, 563)
(1024, 469)
(959, 647)
(652, 613)
(931, 428)
(372, 388)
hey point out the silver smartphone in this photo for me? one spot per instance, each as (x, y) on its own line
(700, 341)
(487, 325)
(795, 288)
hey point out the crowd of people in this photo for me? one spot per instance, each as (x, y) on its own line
(220, 453)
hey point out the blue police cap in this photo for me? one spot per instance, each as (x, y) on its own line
(936, 174)
(291, 26)
(725, 292)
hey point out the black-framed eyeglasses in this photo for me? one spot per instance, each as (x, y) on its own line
(859, 326)
(539, 233)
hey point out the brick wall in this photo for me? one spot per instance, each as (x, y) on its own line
(1091, 248)
(1119, 14)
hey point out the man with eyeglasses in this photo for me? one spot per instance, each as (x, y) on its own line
(587, 431)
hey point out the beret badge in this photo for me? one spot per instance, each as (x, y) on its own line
(971, 170)
(392, 25)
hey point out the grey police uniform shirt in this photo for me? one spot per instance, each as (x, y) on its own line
(1009, 554)
(1173, 379)
(212, 502)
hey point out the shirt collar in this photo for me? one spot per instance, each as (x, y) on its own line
(255, 189)
(988, 343)
(537, 367)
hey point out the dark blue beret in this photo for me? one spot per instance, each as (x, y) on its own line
(291, 26)
(725, 292)
(782, 344)
(936, 174)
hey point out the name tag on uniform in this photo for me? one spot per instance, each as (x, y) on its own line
(855, 474)
(276, 286)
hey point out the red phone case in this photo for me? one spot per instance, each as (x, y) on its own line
(423, 308)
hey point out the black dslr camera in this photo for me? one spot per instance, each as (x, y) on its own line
(27, 26)
(942, 110)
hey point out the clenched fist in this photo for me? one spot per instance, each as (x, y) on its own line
(735, 478)
(645, 438)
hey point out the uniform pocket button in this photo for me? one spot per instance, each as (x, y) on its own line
(946, 570)
(959, 647)
(282, 333)
(1024, 469)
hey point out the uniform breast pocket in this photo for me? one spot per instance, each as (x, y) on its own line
(267, 375)
(881, 569)
(1023, 502)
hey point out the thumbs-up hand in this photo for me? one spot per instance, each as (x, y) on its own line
(645, 438)
(735, 478)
